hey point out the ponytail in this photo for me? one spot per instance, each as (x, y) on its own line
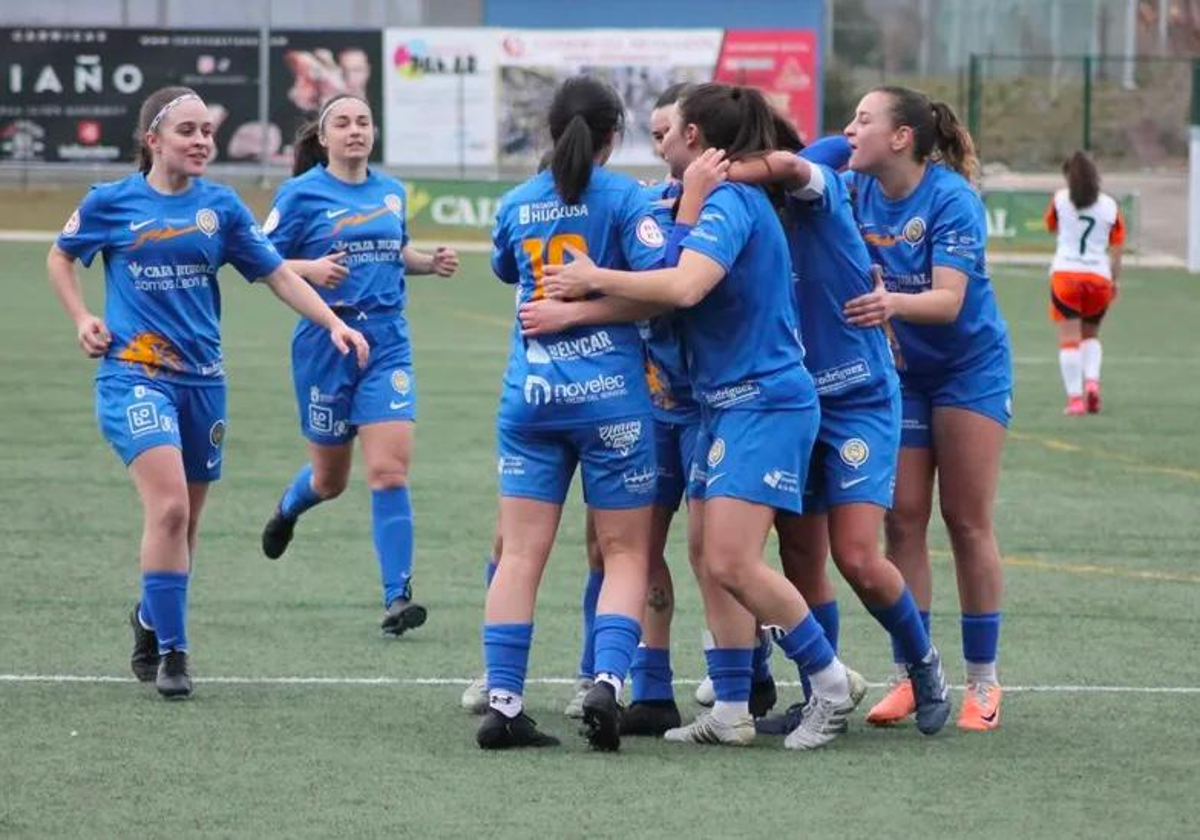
(953, 142)
(1083, 179)
(585, 116)
(307, 150)
(937, 133)
(571, 163)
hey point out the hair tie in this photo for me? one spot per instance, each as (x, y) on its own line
(162, 112)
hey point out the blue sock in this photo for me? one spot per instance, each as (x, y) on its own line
(830, 619)
(652, 675)
(591, 594)
(806, 645)
(300, 496)
(489, 571)
(898, 650)
(392, 528)
(143, 609)
(165, 593)
(614, 641)
(506, 655)
(760, 664)
(980, 636)
(730, 670)
(903, 621)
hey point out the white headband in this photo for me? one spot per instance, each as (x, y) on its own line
(162, 112)
(329, 105)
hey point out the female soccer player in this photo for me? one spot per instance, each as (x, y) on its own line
(341, 226)
(925, 225)
(1083, 277)
(160, 388)
(760, 415)
(574, 397)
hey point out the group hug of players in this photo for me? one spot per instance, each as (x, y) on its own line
(778, 343)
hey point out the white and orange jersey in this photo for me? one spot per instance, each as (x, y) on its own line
(1084, 236)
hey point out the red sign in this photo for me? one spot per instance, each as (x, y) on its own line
(782, 64)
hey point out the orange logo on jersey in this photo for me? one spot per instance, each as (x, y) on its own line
(660, 393)
(357, 219)
(152, 351)
(159, 234)
(883, 240)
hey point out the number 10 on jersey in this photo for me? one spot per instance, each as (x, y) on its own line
(554, 251)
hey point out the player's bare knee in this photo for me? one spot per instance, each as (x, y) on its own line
(169, 515)
(329, 485)
(387, 478)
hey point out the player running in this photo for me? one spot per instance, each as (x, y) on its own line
(1083, 277)
(341, 225)
(160, 387)
(925, 225)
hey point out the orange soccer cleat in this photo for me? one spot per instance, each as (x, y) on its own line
(981, 709)
(1092, 395)
(895, 706)
(1075, 407)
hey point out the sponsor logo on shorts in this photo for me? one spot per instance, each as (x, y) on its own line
(716, 452)
(212, 462)
(913, 424)
(216, 434)
(143, 419)
(621, 437)
(846, 484)
(401, 383)
(1008, 402)
(207, 222)
(396, 405)
(639, 482)
(320, 418)
(315, 396)
(784, 481)
(539, 391)
(511, 465)
(842, 376)
(854, 452)
(731, 395)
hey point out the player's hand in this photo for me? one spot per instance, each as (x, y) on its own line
(706, 173)
(571, 280)
(327, 272)
(545, 316)
(92, 336)
(874, 308)
(445, 261)
(346, 339)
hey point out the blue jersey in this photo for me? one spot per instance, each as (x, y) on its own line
(743, 339)
(162, 303)
(832, 266)
(589, 373)
(941, 223)
(316, 214)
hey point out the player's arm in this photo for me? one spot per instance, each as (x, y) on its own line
(681, 286)
(328, 272)
(90, 331)
(290, 288)
(1116, 245)
(545, 316)
(443, 261)
(789, 170)
(937, 305)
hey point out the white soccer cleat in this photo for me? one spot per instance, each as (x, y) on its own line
(574, 708)
(824, 719)
(705, 695)
(475, 696)
(706, 729)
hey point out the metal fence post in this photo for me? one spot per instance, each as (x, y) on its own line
(1193, 246)
(974, 98)
(1087, 103)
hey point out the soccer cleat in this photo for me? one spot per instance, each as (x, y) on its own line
(824, 719)
(401, 616)
(896, 705)
(173, 680)
(602, 718)
(705, 695)
(930, 694)
(1075, 407)
(781, 724)
(981, 708)
(498, 732)
(475, 696)
(277, 534)
(762, 697)
(650, 717)
(706, 729)
(144, 660)
(574, 709)
(1091, 392)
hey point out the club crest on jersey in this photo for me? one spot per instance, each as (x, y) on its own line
(400, 382)
(272, 221)
(72, 225)
(217, 434)
(206, 221)
(855, 452)
(649, 233)
(716, 452)
(394, 203)
(914, 230)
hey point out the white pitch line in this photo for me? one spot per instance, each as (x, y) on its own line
(459, 681)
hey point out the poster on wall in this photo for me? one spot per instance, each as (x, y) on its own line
(440, 95)
(780, 63)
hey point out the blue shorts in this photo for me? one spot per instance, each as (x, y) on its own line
(855, 457)
(756, 456)
(137, 413)
(985, 389)
(335, 397)
(675, 447)
(616, 459)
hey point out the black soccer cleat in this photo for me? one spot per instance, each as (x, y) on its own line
(762, 697)
(650, 717)
(498, 732)
(277, 534)
(144, 660)
(174, 682)
(602, 718)
(402, 615)
(781, 724)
